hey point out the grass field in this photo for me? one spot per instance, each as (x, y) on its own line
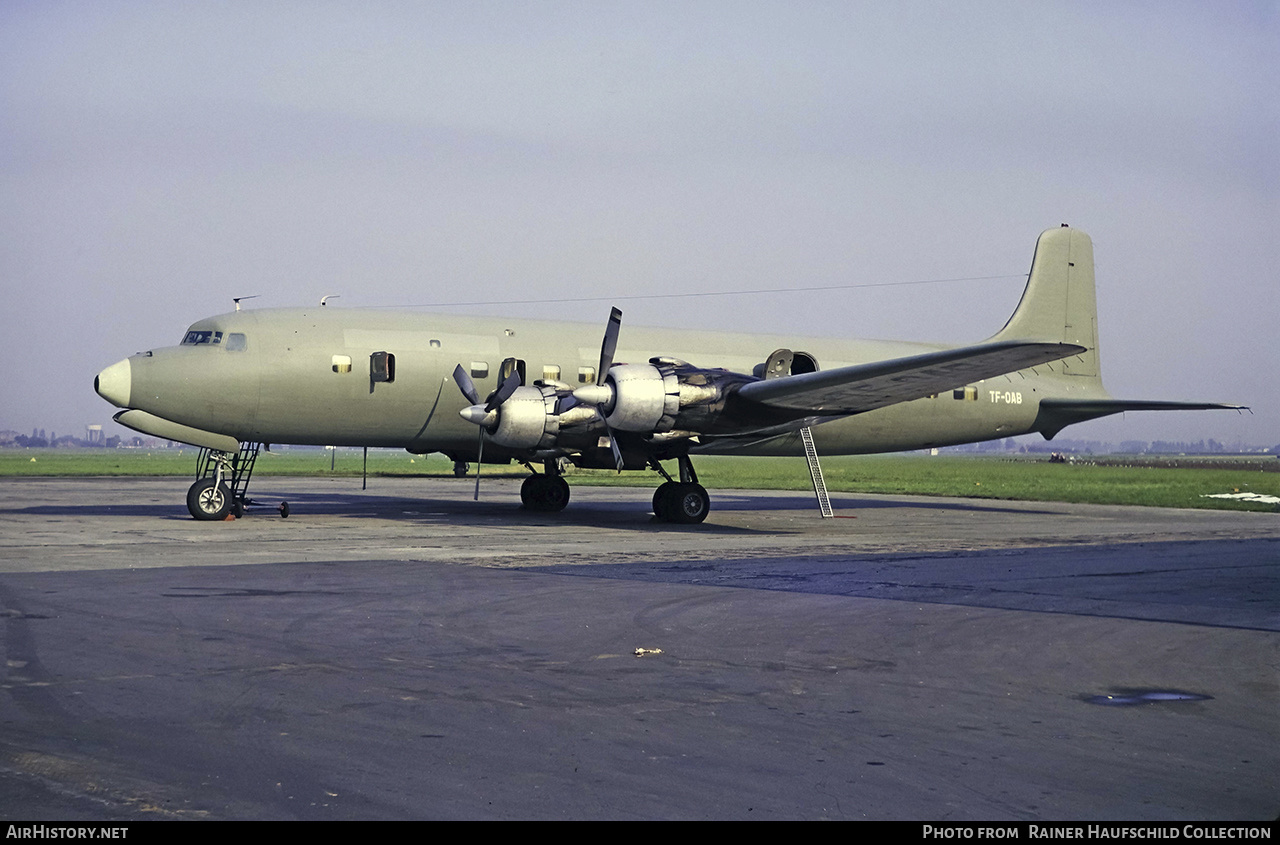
(1158, 482)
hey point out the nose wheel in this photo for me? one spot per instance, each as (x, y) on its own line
(209, 499)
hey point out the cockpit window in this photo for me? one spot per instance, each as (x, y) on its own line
(236, 342)
(199, 338)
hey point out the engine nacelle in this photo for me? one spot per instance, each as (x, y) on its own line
(651, 398)
(537, 418)
(663, 400)
(642, 396)
(527, 420)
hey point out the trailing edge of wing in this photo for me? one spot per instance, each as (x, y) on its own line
(865, 387)
(1057, 414)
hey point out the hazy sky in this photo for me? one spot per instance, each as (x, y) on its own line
(159, 158)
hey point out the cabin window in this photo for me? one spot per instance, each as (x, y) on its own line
(586, 375)
(382, 367)
(236, 342)
(968, 394)
(550, 373)
(479, 369)
(342, 363)
(433, 343)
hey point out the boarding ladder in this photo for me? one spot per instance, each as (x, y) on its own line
(815, 472)
(239, 466)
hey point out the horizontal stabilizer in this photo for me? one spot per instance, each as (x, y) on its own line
(1057, 414)
(865, 387)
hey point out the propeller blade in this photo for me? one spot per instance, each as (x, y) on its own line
(466, 385)
(613, 444)
(504, 391)
(610, 344)
(600, 393)
(479, 463)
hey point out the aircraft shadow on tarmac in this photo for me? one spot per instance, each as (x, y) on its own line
(765, 502)
(587, 509)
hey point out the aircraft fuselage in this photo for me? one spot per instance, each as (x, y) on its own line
(303, 376)
(546, 392)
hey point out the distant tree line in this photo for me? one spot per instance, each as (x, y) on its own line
(39, 440)
(1127, 447)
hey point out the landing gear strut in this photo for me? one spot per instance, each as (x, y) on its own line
(546, 493)
(685, 501)
(222, 484)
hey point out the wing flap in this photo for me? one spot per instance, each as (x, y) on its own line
(865, 387)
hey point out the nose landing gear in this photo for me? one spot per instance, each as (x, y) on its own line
(209, 499)
(222, 484)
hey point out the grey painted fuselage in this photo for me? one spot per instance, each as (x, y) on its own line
(283, 385)
(320, 376)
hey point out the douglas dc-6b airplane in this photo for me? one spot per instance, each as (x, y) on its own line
(341, 377)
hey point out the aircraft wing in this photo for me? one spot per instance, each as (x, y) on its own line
(865, 387)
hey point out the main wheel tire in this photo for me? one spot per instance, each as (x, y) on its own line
(662, 500)
(688, 504)
(545, 493)
(529, 492)
(557, 494)
(209, 500)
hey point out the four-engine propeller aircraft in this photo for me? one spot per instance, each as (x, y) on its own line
(495, 390)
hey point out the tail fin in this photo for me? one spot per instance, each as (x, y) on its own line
(1059, 303)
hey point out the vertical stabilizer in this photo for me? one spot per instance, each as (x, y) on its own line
(1059, 302)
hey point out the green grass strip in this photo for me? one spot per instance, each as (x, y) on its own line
(1105, 480)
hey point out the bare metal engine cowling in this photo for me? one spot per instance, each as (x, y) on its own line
(665, 396)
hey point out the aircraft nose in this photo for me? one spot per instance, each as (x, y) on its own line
(115, 383)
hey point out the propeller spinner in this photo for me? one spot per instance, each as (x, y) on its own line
(483, 416)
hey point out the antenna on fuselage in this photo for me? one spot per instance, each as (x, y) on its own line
(236, 299)
(326, 298)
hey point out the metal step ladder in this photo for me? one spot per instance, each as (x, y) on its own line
(240, 466)
(815, 472)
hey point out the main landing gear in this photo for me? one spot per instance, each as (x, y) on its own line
(222, 482)
(685, 501)
(546, 493)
